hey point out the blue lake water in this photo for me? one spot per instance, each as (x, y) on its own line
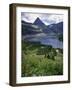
(46, 40)
(54, 42)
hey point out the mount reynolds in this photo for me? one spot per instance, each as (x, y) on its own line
(45, 34)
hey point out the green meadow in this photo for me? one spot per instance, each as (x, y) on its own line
(41, 60)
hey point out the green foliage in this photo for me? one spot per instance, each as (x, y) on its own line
(45, 50)
(52, 54)
(34, 62)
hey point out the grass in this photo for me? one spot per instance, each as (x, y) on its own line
(39, 65)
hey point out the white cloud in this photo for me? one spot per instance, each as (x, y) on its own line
(46, 18)
(30, 17)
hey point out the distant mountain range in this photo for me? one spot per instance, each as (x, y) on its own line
(54, 28)
(38, 26)
(29, 28)
(39, 23)
(45, 34)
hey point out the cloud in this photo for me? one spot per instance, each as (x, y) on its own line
(47, 18)
(29, 17)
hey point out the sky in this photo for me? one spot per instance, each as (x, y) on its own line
(47, 18)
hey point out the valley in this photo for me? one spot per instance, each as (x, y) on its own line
(42, 49)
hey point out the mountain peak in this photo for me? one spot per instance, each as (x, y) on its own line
(39, 22)
(37, 19)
